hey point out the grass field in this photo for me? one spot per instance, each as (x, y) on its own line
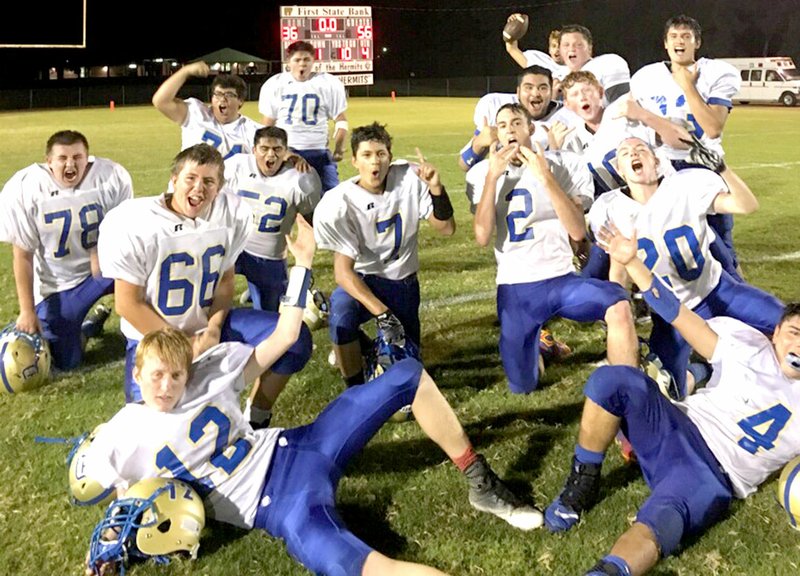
(402, 495)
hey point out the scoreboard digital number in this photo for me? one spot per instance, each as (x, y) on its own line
(341, 36)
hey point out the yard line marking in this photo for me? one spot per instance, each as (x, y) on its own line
(774, 258)
(460, 299)
(768, 165)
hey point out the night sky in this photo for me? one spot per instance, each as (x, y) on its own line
(429, 39)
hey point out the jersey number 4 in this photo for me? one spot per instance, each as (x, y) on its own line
(761, 430)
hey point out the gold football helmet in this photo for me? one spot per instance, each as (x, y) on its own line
(317, 309)
(789, 491)
(24, 360)
(85, 491)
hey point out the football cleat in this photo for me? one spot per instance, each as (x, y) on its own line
(580, 492)
(487, 493)
(789, 492)
(24, 360)
(92, 325)
(85, 491)
(551, 348)
(157, 517)
(315, 314)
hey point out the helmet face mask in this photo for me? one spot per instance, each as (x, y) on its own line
(156, 517)
(382, 355)
(24, 360)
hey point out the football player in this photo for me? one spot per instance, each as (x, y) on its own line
(669, 217)
(276, 192)
(575, 50)
(301, 101)
(529, 198)
(173, 259)
(697, 454)
(221, 124)
(371, 224)
(190, 427)
(50, 213)
(696, 93)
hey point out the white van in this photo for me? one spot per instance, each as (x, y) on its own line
(767, 80)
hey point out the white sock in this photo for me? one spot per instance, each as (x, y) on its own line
(255, 414)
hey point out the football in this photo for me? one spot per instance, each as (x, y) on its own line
(515, 28)
(789, 491)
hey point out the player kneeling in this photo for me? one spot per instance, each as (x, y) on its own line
(273, 479)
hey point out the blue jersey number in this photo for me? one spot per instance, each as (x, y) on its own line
(215, 141)
(525, 233)
(761, 430)
(686, 270)
(211, 420)
(309, 108)
(383, 226)
(277, 218)
(601, 183)
(176, 294)
(89, 217)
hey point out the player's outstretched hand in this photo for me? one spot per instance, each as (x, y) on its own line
(556, 134)
(535, 161)
(700, 154)
(303, 246)
(427, 172)
(487, 136)
(28, 322)
(500, 157)
(618, 247)
(199, 69)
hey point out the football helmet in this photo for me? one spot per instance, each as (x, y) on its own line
(24, 360)
(85, 491)
(382, 355)
(317, 309)
(789, 491)
(157, 516)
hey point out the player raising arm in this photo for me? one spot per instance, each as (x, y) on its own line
(698, 454)
(190, 427)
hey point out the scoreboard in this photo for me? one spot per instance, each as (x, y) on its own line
(341, 37)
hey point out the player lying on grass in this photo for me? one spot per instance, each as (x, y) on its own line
(698, 454)
(283, 481)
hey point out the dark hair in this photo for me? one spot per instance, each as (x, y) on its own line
(300, 46)
(231, 81)
(535, 69)
(371, 133)
(66, 138)
(791, 310)
(684, 21)
(517, 109)
(577, 29)
(271, 132)
(202, 155)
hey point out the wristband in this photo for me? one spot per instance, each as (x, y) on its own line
(341, 125)
(442, 208)
(470, 157)
(662, 300)
(297, 290)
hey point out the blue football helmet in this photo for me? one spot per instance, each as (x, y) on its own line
(24, 360)
(789, 491)
(85, 491)
(157, 517)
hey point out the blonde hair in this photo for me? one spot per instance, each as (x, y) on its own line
(169, 344)
(580, 76)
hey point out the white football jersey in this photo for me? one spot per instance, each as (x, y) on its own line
(205, 440)
(378, 231)
(178, 260)
(654, 88)
(673, 233)
(489, 104)
(531, 243)
(60, 225)
(303, 108)
(745, 411)
(200, 126)
(609, 69)
(274, 200)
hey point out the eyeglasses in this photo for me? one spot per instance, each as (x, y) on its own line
(225, 95)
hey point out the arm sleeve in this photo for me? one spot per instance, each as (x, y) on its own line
(239, 231)
(725, 87)
(338, 98)
(122, 254)
(702, 188)
(268, 98)
(17, 224)
(333, 230)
